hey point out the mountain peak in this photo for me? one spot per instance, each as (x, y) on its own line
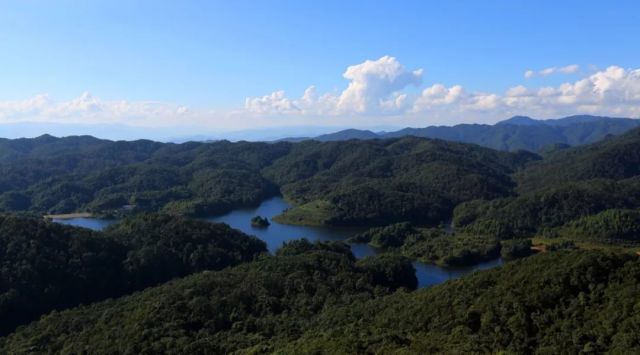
(521, 121)
(348, 134)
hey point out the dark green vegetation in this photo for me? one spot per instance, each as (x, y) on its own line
(246, 307)
(589, 193)
(318, 300)
(46, 266)
(610, 226)
(385, 181)
(62, 175)
(555, 303)
(315, 297)
(335, 183)
(431, 245)
(512, 134)
(260, 222)
(516, 248)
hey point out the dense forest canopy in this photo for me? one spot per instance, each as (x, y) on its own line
(165, 283)
(47, 266)
(354, 182)
(386, 181)
(220, 312)
(432, 246)
(560, 190)
(370, 182)
(62, 175)
(318, 300)
(562, 302)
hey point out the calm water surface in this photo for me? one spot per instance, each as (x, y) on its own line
(276, 234)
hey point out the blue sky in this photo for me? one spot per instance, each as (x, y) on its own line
(202, 60)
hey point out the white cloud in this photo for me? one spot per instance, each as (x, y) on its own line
(377, 94)
(613, 91)
(372, 82)
(439, 95)
(569, 69)
(89, 109)
(573, 68)
(377, 90)
(276, 102)
(374, 87)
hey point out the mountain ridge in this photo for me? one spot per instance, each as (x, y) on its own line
(517, 132)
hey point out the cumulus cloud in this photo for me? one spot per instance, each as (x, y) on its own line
(372, 82)
(439, 95)
(275, 102)
(378, 92)
(569, 69)
(89, 109)
(374, 87)
(378, 89)
(613, 91)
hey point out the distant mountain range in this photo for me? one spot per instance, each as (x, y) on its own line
(519, 132)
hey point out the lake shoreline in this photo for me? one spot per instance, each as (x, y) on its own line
(66, 216)
(276, 234)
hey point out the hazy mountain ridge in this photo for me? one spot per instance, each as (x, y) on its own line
(518, 132)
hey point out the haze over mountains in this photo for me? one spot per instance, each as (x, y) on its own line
(518, 132)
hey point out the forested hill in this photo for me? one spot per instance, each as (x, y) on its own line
(59, 175)
(47, 266)
(584, 192)
(355, 182)
(162, 283)
(318, 300)
(385, 181)
(513, 134)
(612, 158)
(351, 182)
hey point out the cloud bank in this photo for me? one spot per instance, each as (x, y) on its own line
(380, 92)
(377, 89)
(89, 109)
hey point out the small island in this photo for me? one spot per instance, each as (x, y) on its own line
(260, 222)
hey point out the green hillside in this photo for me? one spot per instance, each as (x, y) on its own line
(47, 266)
(320, 301)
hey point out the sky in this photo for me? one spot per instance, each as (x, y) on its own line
(205, 67)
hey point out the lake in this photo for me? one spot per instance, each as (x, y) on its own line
(276, 234)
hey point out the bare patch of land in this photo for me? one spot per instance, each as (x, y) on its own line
(69, 215)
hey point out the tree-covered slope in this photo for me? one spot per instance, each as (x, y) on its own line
(353, 182)
(319, 301)
(61, 175)
(242, 308)
(615, 158)
(562, 302)
(386, 181)
(46, 266)
(432, 246)
(567, 185)
(511, 135)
